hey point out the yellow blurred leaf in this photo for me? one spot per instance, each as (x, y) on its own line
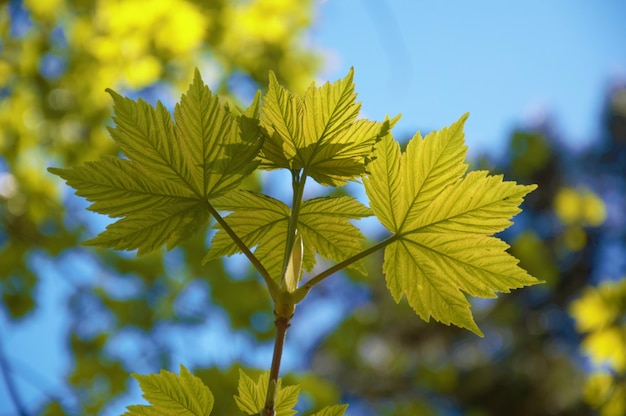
(594, 309)
(46, 9)
(581, 207)
(607, 346)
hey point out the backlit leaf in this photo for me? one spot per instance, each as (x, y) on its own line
(261, 221)
(172, 169)
(251, 395)
(169, 394)
(318, 133)
(325, 227)
(442, 224)
(221, 151)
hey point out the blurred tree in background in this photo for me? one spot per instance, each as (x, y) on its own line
(553, 349)
(57, 58)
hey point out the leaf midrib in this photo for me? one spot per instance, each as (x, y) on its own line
(421, 187)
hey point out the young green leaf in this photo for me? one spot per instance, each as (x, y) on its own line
(171, 394)
(259, 220)
(222, 147)
(172, 170)
(318, 133)
(336, 410)
(293, 274)
(262, 221)
(442, 222)
(251, 397)
(325, 227)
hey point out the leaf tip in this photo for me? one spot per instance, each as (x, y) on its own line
(350, 76)
(272, 78)
(461, 121)
(477, 331)
(113, 94)
(55, 171)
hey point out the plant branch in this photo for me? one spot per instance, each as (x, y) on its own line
(301, 292)
(282, 324)
(271, 284)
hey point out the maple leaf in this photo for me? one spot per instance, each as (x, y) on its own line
(171, 394)
(262, 221)
(442, 220)
(318, 133)
(251, 397)
(174, 168)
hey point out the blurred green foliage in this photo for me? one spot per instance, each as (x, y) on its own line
(57, 59)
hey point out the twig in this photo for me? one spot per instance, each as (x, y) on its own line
(301, 292)
(270, 400)
(271, 284)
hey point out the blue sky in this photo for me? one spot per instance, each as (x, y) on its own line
(505, 63)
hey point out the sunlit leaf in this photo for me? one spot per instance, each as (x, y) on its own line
(221, 151)
(441, 223)
(293, 272)
(318, 133)
(251, 395)
(262, 221)
(170, 394)
(325, 226)
(259, 220)
(172, 169)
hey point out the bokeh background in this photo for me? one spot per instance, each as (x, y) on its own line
(545, 83)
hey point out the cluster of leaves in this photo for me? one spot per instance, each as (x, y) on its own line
(168, 393)
(178, 173)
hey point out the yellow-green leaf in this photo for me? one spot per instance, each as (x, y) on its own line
(258, 220)
(172, 170)
(326, 228)
(169, 394)
(318, 133)
(251, 395)
(122, 187)
(442, 222)
(146, 136)
(220, 149)
(262, 221)
(293, 273)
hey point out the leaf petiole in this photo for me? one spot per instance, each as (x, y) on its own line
(271, 284)
(298, 180)
(303, 290)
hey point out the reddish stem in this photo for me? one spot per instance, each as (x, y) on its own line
(282, 323)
